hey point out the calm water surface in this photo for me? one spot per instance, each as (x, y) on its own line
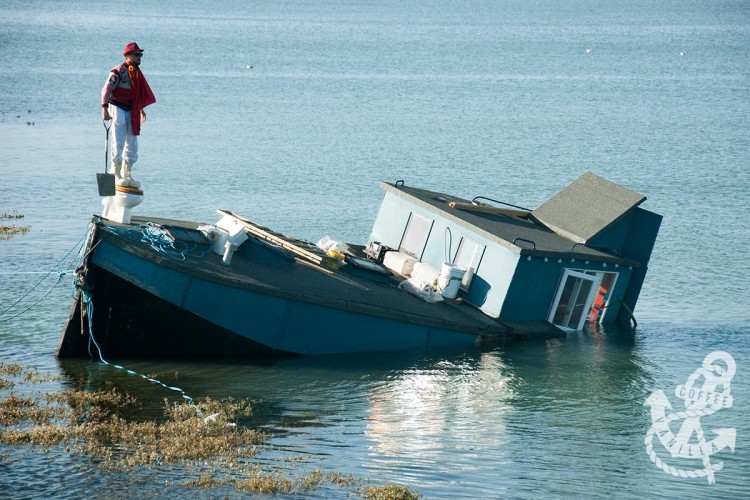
(290, 113)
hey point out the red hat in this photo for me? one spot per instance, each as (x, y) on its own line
(131, 47)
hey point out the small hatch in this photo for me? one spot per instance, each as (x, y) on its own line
(366, 268)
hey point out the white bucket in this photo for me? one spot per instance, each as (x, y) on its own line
(449, 280)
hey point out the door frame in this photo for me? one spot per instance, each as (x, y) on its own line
(567, 273)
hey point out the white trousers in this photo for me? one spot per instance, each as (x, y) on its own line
(124, 143)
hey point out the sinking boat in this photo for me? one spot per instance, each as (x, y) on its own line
(437, 270)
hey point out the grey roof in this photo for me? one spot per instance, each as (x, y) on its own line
(519, 233)
(587, 207)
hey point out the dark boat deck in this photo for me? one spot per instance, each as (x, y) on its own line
(270, 263)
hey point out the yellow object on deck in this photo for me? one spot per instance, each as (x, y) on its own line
(335, 254)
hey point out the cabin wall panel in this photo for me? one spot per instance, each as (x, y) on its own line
(531, 293)
(613, 237)
(490, 285)
(391, 220)
(641, 236)
(491, 281)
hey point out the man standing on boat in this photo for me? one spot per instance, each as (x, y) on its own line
(125, 94)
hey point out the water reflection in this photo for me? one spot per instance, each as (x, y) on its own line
(541, 410)
(453, 404)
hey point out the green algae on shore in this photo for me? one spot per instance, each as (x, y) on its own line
(7, 232)
(101, 425)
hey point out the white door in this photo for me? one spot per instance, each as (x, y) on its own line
(573, 300)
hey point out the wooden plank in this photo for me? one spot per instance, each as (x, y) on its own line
(470, 207)
(260, 232)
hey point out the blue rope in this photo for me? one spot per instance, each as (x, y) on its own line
(3, 320)
(86, 297)
(157, 237)
(60, 274)
(32, 272)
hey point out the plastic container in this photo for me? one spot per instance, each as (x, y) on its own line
(399, 263)
(227, 230)
(326, 244)
(449, 280)
(335, 254)
(424, 272)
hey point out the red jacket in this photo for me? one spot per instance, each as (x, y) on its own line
(127, 88)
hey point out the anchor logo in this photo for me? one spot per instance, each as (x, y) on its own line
(700, 402)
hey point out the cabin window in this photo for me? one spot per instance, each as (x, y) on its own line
(415, 235)
(468, 256)
(573, 300)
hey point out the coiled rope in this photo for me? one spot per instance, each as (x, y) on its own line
(157, 237)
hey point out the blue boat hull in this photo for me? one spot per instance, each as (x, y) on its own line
(262, 323)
